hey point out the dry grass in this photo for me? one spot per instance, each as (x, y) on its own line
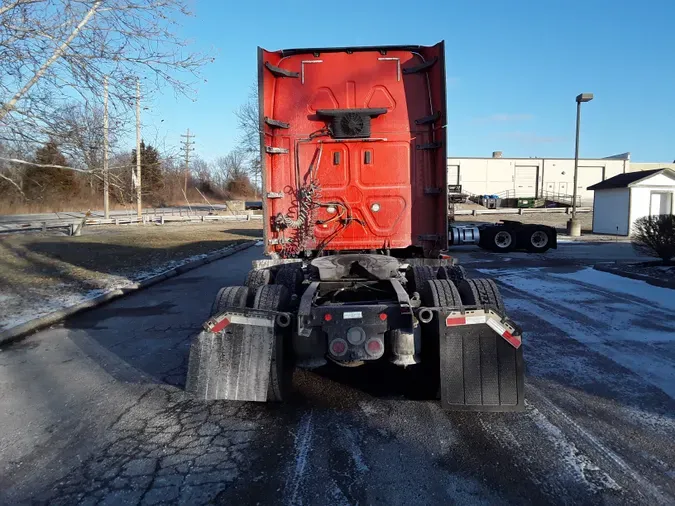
(43, 272)
(95, 202)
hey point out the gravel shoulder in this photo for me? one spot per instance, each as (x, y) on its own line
(42, 273)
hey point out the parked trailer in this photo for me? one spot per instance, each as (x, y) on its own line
(355, 228)
(509, 235)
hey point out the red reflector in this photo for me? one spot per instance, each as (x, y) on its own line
(220, 325)
(374, 346)
(383, 316)
(328, 317)
(338, 347)
(449, 322)
(511, 339)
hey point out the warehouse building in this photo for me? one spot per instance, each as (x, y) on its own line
(539, 178)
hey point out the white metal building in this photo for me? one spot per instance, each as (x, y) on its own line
(622, 199)
(533, 177)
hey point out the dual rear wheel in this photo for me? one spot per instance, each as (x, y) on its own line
(483, 293)
(271, 297)
(535, 239)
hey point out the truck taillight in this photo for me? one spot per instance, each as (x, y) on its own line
(338, 347)
(375, 347)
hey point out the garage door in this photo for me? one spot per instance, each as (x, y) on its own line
(453, 174)
(525, 183)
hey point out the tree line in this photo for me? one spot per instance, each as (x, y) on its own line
(49, 178)
(56, 58)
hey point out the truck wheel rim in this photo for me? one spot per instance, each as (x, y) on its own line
(503, 239)
(539, 239)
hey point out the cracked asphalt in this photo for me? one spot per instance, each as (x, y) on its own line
(92, 410)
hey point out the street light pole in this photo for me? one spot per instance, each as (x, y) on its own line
(139, 205)
(576, 164)
(573, 225)
(106, 176)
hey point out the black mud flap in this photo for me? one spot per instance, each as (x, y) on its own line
(480, 370)
(233, 364)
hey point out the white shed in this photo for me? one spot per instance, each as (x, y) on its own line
(622, 199)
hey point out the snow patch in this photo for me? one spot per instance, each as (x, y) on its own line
(349, 441)
(581, 466)
(664, 297)
(303, 445)
(617, 317)
(368, 408)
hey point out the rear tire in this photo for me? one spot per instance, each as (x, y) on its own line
(417, 277)
(290, 276)
(425, 378)
(503, 240)
(257, 278)
(276, 298)
(229, 296)
(481, 292)
(537, 240)
(454, 273)
(440, 293)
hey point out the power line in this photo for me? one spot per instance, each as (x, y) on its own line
(187, 148)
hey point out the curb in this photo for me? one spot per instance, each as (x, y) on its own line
(20, 331)
(640, 277)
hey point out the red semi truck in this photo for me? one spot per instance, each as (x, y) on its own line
(356, 231)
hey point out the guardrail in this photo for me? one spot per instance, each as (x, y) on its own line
(564, 210)
(74, 225)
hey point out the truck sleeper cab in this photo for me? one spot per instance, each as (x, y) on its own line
(355, 226)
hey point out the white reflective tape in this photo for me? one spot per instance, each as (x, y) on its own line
(250, 320)
(496, 326)
(471, 320)
(350, 315)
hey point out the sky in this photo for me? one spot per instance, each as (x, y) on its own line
(514, 69)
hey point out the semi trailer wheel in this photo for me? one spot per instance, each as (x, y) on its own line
(499, 240)
(538, 240)
(229, 296)
(276, 298)
(480, 292)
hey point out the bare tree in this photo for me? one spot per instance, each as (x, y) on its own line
(78, 129)
(248, 121)
(229, 167)
(52, 50)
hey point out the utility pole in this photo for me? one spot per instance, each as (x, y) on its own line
(139, 205)
(187, 147)
(106, 181)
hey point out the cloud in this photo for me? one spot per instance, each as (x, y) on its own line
(532, 138)
(505, 117)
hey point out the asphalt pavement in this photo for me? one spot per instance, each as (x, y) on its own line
(92, 410)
